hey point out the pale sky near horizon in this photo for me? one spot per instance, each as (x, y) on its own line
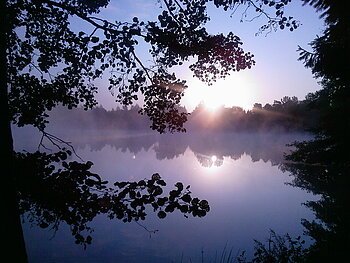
(277, 72)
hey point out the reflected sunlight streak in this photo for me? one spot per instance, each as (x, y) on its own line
(209, 164)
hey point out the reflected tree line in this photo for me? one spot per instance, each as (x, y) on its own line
(259, 146)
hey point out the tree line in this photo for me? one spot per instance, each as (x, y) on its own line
(285, 115)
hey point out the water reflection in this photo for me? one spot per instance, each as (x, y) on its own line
(268, 147)
(321, 167)
(209, 161)
(247, 195)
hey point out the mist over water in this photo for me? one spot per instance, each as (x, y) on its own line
(238, 173)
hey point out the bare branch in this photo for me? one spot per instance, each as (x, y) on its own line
(142, 66)
(88, 19)
(150, 232)
(56, 141)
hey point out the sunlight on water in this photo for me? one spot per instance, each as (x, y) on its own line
(237, 174)
(206, 165)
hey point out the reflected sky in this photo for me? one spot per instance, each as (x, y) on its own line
(245, 188)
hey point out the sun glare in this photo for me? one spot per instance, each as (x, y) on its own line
(236, 90)
(213, 165)
(211, 99)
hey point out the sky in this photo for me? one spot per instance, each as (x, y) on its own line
(277, 72)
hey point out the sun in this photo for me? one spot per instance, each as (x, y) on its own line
(211, 99)
(236, 90)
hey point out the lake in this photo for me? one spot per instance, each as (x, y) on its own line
(238, 173)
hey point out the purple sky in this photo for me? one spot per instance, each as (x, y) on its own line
(277, 72)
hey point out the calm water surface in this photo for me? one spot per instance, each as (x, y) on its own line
(237, 173)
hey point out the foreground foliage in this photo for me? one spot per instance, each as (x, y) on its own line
(53, 191)
(279, 249)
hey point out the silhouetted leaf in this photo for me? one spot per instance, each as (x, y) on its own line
(161, 214)
(43, 225)
(94, 39)
(187, 198)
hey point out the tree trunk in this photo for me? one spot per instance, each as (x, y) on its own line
(12, 235)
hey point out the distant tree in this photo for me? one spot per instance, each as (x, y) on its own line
(257, 106)
(277, 105)
(289, 100)
(46, 63)
(267, 106)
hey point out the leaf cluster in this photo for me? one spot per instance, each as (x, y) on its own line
(52, 190)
